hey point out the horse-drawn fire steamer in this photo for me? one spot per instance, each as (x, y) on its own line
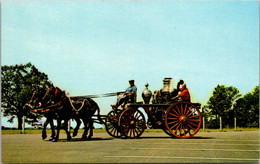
(180, 119)
(175, 117)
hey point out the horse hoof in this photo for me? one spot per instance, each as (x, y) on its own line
(84, 138)
(69, 138)
(44, 137)
(75, 134)
(54, 140)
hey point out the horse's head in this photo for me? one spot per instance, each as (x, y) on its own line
(53, 94)
(37, 96)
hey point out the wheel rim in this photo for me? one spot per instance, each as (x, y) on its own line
(168, 132)
(132, 123)
(111, 124)
(183, 119)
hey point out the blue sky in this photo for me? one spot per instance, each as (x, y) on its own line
(95, 47)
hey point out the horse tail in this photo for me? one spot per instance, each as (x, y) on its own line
(97, 108)
(98, 115)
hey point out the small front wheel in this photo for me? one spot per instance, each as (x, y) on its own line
(132, 123)
(111, 124)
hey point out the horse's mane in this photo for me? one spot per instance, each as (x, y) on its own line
(58, 92)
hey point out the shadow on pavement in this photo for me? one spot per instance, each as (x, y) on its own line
(151, 137)
(80, 140)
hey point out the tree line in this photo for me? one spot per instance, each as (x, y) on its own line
(20, 81)
(226, 102)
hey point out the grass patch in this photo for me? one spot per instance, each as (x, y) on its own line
(230, 130)
(39, 131)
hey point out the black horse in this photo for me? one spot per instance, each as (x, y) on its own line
(36, 105)
(66, 109)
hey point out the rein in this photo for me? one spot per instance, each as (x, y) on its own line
(59, 106)
(97, 96)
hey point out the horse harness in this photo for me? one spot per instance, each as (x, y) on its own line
(82, 105)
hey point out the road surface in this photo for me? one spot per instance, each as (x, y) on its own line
(204, 147)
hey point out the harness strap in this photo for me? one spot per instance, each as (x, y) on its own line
(77, 110)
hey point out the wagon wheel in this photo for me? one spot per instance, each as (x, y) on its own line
(168, 132)
(111, 124)
(183, 119)
(132, 123)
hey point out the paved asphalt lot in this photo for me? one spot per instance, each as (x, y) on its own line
(204, 147)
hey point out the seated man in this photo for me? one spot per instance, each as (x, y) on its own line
(185, 94)
(132, 89)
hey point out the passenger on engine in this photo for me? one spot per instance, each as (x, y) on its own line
(185, 94)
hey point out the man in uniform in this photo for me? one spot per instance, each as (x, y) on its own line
(131, 89)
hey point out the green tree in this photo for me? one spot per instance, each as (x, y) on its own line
(247, 109)
(18, 85)
(220, 104)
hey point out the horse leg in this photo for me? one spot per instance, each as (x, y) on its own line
(84, 135)
(90, 128)
(75, 132)
(52, 130)
(66, 130)
(58, 130)
(44, 135)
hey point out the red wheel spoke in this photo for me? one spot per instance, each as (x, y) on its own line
(193, 116)
(138, 117)
(135, 132)
(181, 110)
(174, 125)
(184, 131)
(188, 110)
(178, 109)
(173, 115)
(191, 113)
(191, 127)
(114, 131)
(138, 130)
(184, 112)
(173, 122)
(192, 123)
(178, 127)
(194, 120)
(130, 132)
(172, 118)
(176, 112)
(136, 114)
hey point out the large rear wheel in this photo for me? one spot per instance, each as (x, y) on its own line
(183, 119)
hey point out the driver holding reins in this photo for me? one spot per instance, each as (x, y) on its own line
(132, 89)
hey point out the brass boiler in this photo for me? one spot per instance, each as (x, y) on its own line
(147, 94)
